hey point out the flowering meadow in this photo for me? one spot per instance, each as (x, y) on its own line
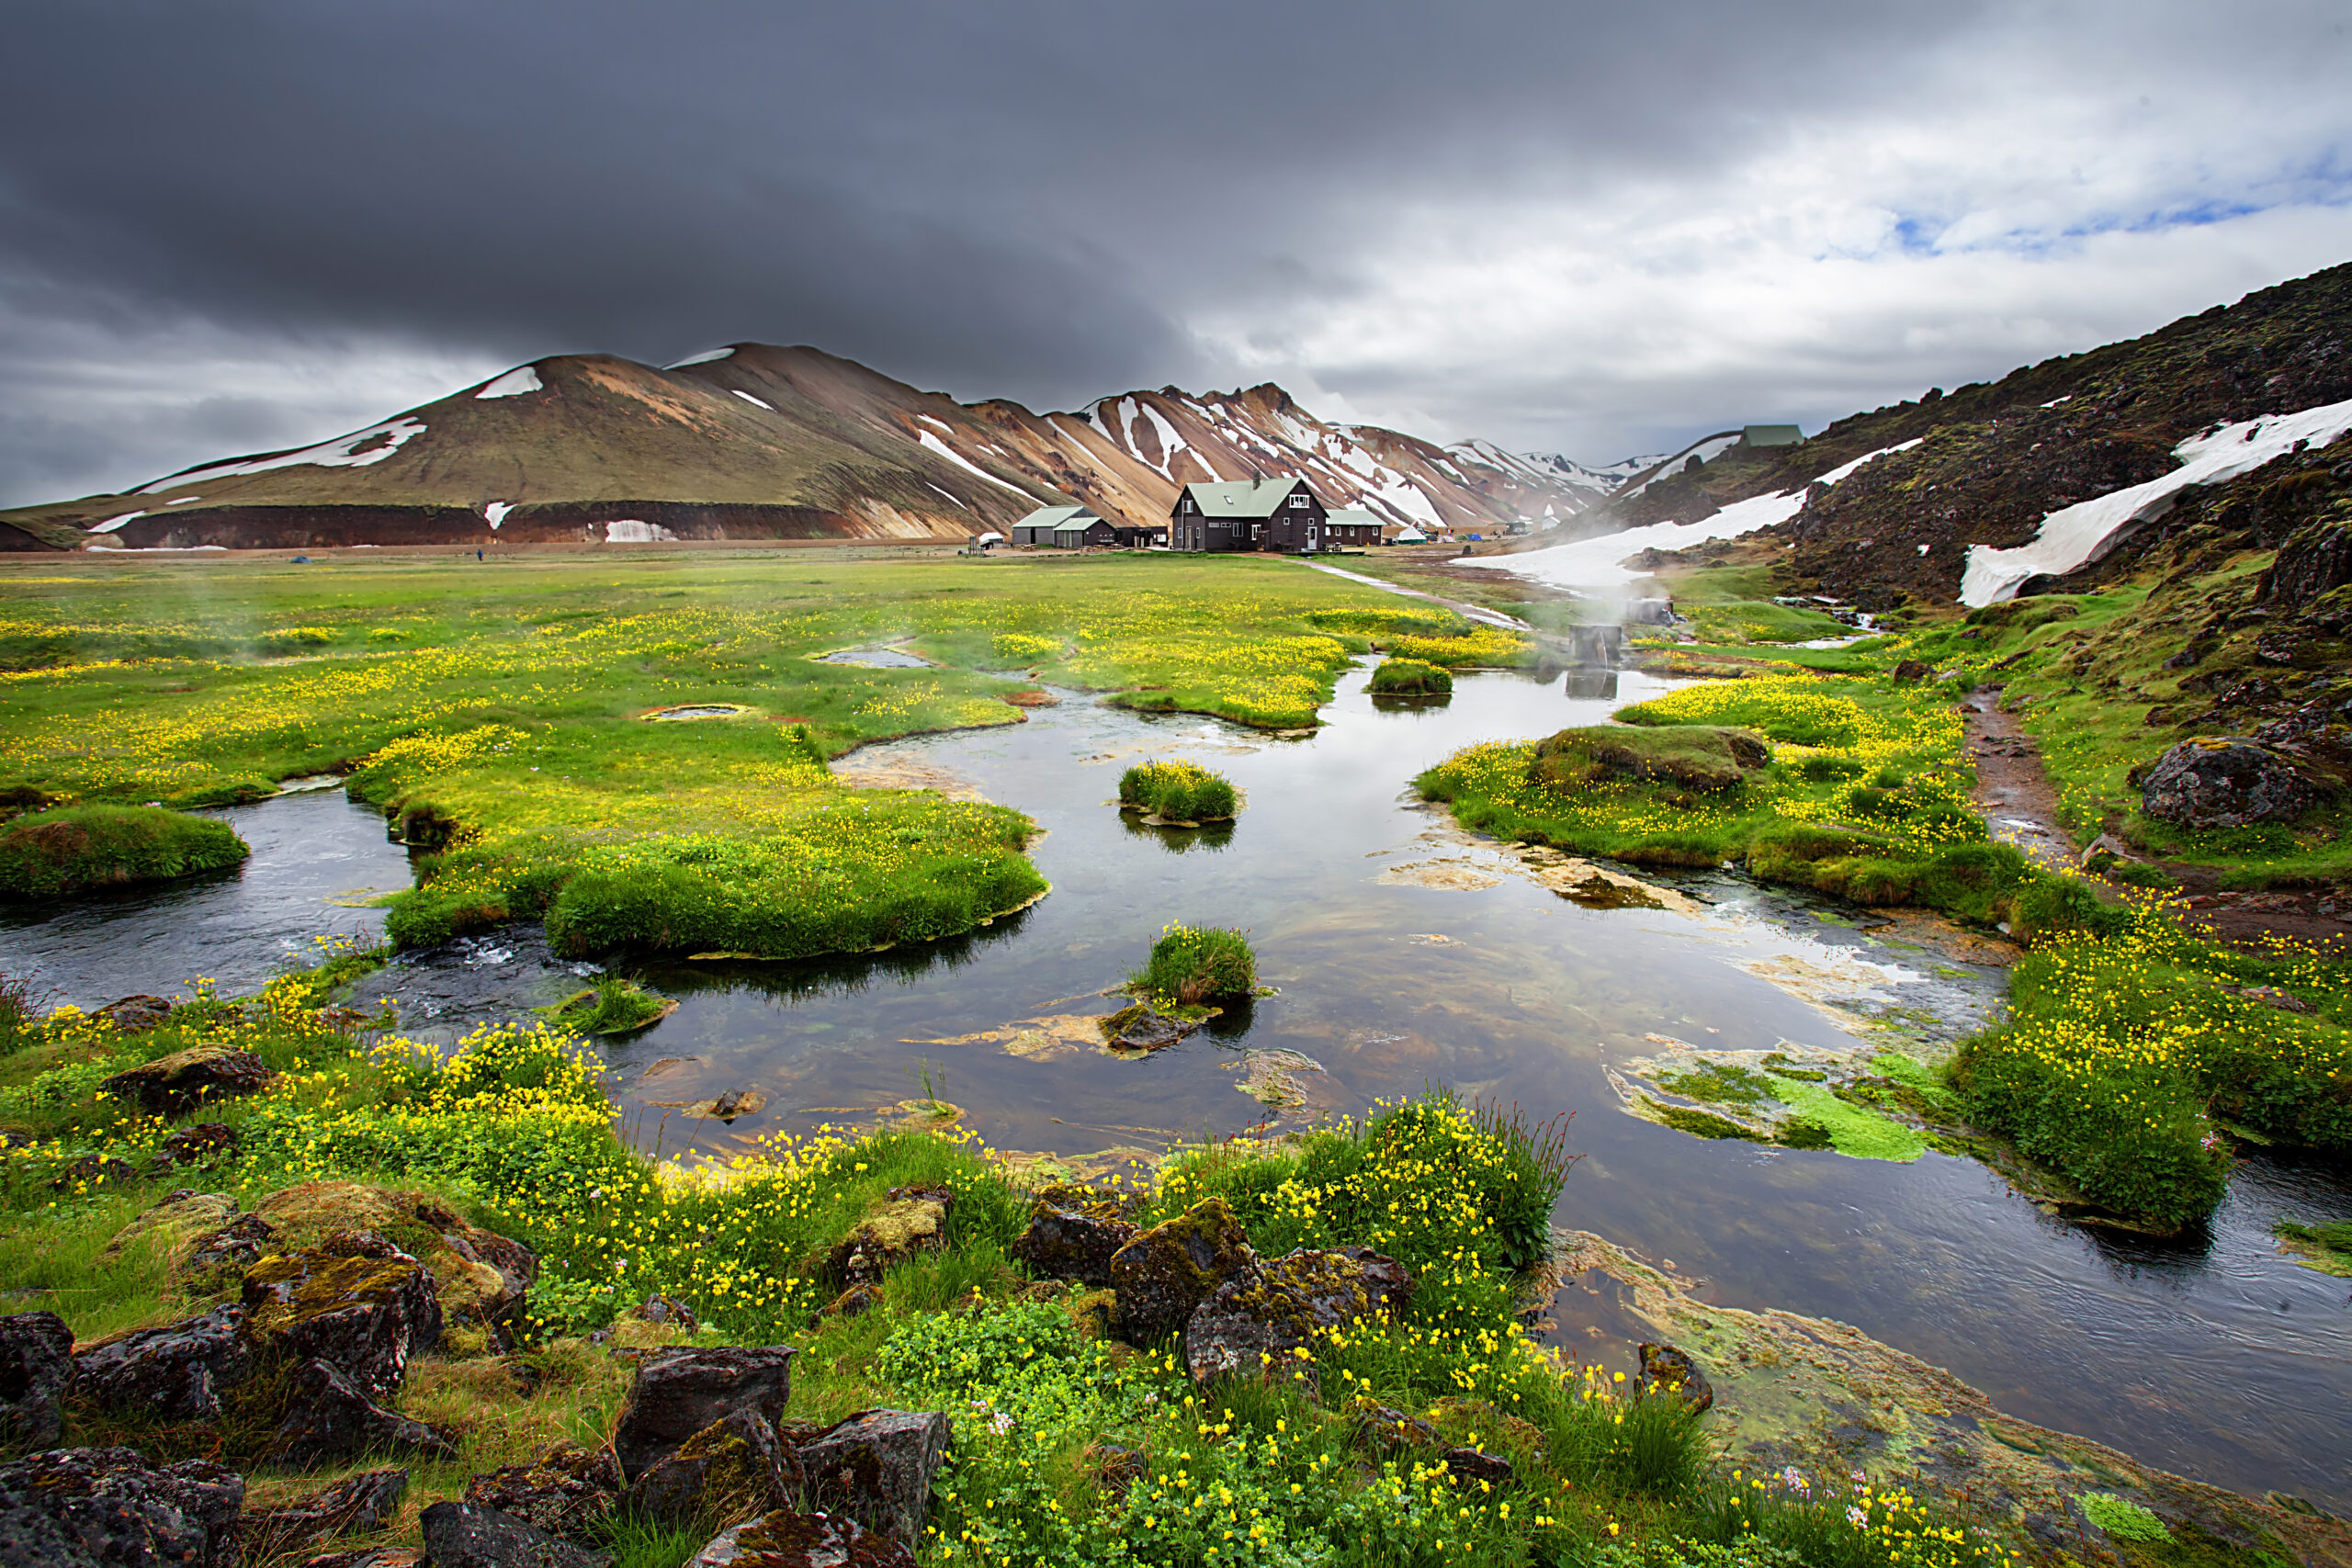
(1070, 1447)
(505, 717)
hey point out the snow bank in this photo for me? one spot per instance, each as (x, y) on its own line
(629, 531)
(341, 454)
(1705, 451)
(749, 398)
(934, 443)
(514, 384)
(2076, 534)
(1597, 563)
(494, 512)
(111, 523)
(705, 357)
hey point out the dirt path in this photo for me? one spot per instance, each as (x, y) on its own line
(2012, 791)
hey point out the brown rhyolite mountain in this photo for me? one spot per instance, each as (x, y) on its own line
(767, 443)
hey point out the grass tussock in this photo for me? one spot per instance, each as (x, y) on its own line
(1410, 678)
(1178, 791)
(1192, 967)
(78, 849)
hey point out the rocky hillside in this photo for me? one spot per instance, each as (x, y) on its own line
(1994, 458)
(760, 441)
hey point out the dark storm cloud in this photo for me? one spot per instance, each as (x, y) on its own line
(1046, 201)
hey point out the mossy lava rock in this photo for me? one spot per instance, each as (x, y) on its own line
(176, 1084)
(1171, 1268)
(1073, 1235)
(1695, 756)
(787, 1540)
(1260, 1323)
(355, 1301)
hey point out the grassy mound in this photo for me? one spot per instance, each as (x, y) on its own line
(1410, 677)
(1190, 967)
(72, 848)
(1699, 756)
(1178, 791)
(614, 1005)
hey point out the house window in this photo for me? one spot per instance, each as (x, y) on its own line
(1299, 500)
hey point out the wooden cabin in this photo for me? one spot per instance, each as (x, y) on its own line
(1063, 527)
(1276, 516)
(1350, 527)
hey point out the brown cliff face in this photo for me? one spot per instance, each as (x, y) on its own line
(762, 442)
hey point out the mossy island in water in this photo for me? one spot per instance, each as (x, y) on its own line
(1410, 678)
(74, 849)
(1178, 793)
(614, 1005)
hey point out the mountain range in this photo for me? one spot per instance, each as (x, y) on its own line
(758, 442)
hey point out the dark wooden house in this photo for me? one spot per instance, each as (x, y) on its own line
(1064, 527)
(1277, 516)
(1350, 527)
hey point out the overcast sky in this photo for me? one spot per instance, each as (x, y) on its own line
(1593, 229)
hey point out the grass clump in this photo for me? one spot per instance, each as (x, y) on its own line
(1178, 792)
(1410, 678)
(2326, 1246)
(76, 848)
(1192, 967)
(2122, 1518)
(614, 1005)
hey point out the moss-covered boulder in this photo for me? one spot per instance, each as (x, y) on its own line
(909, 1220)
(354, 1300)
(1692, 756)
(1262, 1323)
(877, 1466)
(480, 1276)
(201, 1074)
(171, 1229)
(731, 1470)
(1168, 1270)
(679, 1392)
(563, 1493)
(175, 1373)
(1073, 1234)
(789, 1539)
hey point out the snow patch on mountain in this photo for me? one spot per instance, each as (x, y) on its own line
(934, 443)
(752, 401)
(2075, 535)
(352, 451)
(633, 531)
(111, 523)
(707, 356)
(514, 384)
(1599, 562)
(494, 512)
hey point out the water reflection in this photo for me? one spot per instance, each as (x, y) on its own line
(1209, 836)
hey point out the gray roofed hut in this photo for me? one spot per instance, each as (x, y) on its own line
(1771, 435)
(1064, 526)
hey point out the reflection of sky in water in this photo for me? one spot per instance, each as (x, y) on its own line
(2216, 1357)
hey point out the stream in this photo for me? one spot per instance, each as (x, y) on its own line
(1406, 954)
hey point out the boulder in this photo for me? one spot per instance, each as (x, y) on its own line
(330, 1418)
(876, 1466)
(2316, 559)
(111, 1508)
(678, 1393)
(663, 1312)
(1167, 1271)
(466, 1535)
(1260, 1323)
(563, 1493)
(1667, 1371)
(1475, 1467)
(363, 1502)
(206, 1143)
(1140, 1026)
(786, 1540)
(733, 1469)
(480, 1276)
(201, 1074)
(355, 1301)
(1913, 670)
(1073, 1234)
(172, 1226)
(909, 1220)
(175, 1373)
(135, 1014)
(2226, 783)
(1385, 1429)
(91, 1170)
(36, 1368)
(233, 1248)
(370, 1557)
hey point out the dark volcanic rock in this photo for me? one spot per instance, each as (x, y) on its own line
(370, 1557)
(663, 1311)
(1472, 1466)
(1167, 1271)
(355, 1302)
(135, 1014)
(1667, 1371)
(238, 1245)
(563, 1493)
(2226, 783)
(1387, 1429)
(679, 1392)
(2311, 563)
(1914, 670)
(463, 1535)
(36, 1368)
(91, 1170)
(1260, 1323)
(1140, 1026)
(111, 1508)
(202, 1144)
(176, 1372)
(330, 1418)
(877, 1467)
(1073, 1234)
(176, 1084)
(731, 1470)
(363, 1502)
(787, 1540)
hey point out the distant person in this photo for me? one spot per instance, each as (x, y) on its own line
(477, 552)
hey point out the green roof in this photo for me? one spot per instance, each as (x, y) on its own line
(1077, 524)
(1240, 498)
(1771, 435)
(1356, 517)
(1051, 517)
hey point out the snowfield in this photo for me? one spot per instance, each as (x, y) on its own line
(339, 454)
(514, 384)
(2075, 535)
(1598, 563)
(934, 443)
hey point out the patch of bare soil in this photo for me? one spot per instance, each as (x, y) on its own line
(2012, 790)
